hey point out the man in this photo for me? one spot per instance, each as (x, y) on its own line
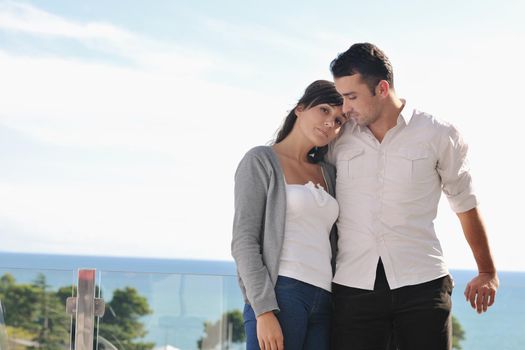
(392, 162)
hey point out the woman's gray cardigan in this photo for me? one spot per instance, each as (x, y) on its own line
(258, 225)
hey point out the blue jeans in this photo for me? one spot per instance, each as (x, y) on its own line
(304, 317)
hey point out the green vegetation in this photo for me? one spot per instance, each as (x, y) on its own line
(36, 319)
(120, 324)
(230, 325)
(34, 315)
(458, 334)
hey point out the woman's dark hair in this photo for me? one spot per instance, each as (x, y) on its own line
(318, 92)
(365, 59)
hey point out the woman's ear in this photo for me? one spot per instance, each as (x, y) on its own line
(299, 109)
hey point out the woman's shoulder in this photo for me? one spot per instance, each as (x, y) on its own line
(262, 157)
(259, 161)
(259, 153)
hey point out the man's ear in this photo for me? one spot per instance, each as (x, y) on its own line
(382, 88)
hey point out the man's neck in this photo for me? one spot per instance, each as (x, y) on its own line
(388, 119)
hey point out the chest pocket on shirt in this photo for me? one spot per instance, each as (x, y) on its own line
(410, 164)
(350, 163)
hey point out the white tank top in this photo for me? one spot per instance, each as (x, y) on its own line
(306, 253)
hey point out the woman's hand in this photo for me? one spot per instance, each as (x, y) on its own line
(269, 332)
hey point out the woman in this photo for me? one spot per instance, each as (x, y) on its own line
(283, 234)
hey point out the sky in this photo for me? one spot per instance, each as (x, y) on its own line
(122, 122)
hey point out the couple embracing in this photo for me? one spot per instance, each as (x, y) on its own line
(333, 232)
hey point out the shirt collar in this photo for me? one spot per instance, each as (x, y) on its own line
(407, 112)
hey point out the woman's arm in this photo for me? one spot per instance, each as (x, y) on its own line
(251, 189)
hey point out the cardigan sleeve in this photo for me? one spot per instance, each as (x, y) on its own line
(252, 180)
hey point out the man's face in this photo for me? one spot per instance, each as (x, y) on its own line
(358, 101)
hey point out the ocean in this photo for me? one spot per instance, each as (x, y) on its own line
(185, 294)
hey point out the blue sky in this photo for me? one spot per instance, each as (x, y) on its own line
(121, 123)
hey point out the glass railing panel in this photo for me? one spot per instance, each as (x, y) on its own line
(169, 311)
(32, 309)
(234, 304)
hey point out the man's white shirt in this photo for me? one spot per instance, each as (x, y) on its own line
(388, 195)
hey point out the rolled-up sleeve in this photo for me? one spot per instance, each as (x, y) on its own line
(251, 189)
(453, 167)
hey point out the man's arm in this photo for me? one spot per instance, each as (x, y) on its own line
(456, 182)
(481, 290)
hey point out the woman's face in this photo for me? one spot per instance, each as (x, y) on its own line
(320, 124)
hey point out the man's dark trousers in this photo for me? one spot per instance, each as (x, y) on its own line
(414, 317)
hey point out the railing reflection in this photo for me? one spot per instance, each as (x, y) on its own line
(170, 311)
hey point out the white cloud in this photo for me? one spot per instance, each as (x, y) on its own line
(144, 105)
(156, 221)
(75, 102)
(22, 17)
(301, 45)
(104, 37)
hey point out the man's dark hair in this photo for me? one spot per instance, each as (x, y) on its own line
(367, 60)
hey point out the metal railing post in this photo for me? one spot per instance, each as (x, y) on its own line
(85, 313)
(85, 307)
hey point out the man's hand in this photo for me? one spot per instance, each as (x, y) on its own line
(269, 332)
(481, 291)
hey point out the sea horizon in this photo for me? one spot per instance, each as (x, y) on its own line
(95, 259)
